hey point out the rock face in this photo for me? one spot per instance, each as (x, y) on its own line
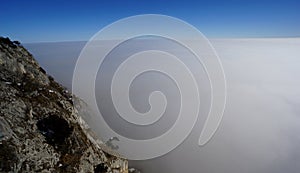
(40, 131)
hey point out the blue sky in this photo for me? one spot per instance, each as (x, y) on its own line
(43, 21)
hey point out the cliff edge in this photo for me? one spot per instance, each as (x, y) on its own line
(40, 131)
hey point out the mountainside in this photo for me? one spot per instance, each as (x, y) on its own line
(40, 131)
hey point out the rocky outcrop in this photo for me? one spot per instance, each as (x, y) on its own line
(40, 131)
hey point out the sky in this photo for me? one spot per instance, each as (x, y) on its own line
(53, 21)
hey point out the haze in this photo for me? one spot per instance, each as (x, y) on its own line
(261, 123)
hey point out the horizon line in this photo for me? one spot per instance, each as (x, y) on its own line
(209, 38)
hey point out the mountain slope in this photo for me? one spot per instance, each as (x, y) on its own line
(40, 131)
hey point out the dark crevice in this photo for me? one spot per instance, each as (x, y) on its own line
(7, 156)
(55, 129)
(101, 168)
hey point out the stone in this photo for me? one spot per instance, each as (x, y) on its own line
(40, 130)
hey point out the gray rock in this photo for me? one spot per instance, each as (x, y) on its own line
(133, 170)
(40, 131)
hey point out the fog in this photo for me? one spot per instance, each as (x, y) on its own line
(260, 130)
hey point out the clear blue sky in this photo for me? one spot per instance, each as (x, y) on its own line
(43, 21)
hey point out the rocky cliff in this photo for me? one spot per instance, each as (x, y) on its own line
(40, 131)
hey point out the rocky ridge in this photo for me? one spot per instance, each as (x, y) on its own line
(40, 131)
